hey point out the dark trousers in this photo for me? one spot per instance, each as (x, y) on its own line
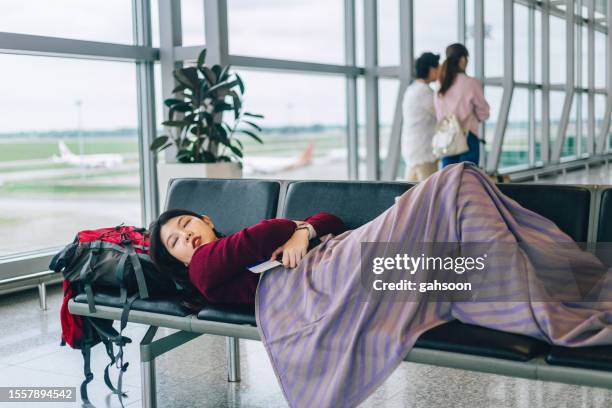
(472, 155)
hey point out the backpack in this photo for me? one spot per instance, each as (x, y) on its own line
(107, 258)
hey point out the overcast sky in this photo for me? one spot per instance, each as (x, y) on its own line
(41, 93)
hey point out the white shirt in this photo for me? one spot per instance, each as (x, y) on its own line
(419, 124)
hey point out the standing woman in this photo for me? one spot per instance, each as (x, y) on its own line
(463, 96)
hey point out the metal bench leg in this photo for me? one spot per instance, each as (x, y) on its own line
(147, 370)
(42, 295)
(233, 359)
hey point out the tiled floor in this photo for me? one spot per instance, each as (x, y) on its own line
(194, 375)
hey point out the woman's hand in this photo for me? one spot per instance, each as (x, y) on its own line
(294, 249)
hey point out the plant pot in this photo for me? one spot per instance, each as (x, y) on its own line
(169, 171)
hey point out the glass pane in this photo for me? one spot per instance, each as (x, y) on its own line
(538, 46)
(192, 22)
(94, 20)
(469, 33)
(583, 128)
(494, 39)
(537, 114)
(155, 24)
(515, 150)
(493, 94)
(49, 191)
(583, 61)
(601, 8)
(556, 109)
(359, 34)
(521, 43)
(600, 60)
(388, 33)
(569, 144)
(387, 96)
(302, 113)
(290, 29)
(444, 19)
(557, 50)
(600, 111)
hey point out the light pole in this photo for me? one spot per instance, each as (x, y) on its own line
(79, 103)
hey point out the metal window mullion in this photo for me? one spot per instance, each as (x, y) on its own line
(545, 142)
(216, 26)
(461, 21)
(531, 91)
(602, 139)
(406, 18)
(141, 13)
(577, 63)
(170, 33)
(508, 81)
(371, 90)
(569, 83)
(479, 58)
(591, 79)
(352, 135)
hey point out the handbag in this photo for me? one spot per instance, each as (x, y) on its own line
(449, 139)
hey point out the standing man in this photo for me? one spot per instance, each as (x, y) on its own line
(419, 120)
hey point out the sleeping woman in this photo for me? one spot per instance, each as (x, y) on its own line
(331, 338)
(188, 246)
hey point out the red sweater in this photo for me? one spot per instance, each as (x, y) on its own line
(218, 269)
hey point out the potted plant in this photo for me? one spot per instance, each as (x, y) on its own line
(197, 126)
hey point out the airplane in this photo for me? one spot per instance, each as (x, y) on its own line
(271, 164)
(106, 160)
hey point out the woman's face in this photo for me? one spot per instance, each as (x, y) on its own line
(182, 235)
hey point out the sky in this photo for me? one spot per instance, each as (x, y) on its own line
(41, 93)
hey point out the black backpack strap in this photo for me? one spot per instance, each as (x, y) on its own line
(86, 352)
(138, 271)
(110, 338)
(86, 274)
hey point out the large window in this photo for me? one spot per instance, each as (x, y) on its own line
(290, 29)
(516, 143)
(294, 123)
(445, 21)
(94, 20)
(69, 156)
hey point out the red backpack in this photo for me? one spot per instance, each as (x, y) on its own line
(114, 258)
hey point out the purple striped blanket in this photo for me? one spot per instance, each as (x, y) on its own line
(331, 342)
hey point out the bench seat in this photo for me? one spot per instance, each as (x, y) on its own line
(593, 358)
(172, 307)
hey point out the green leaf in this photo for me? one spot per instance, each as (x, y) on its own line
(253, 135)
(239, 143)
(253, 115)
(209, 75)
(172, 101)
(224, 159)
(180, 76)
(223, 85)
(182, 107)
(217, 70)
(174, 123)
(236, 150)
(240, 83)
(224, 73)
(159, 142)
(202, 58)
(179, 88)
(237, 104)
(252, 124)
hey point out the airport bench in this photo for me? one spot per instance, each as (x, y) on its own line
(235, 204)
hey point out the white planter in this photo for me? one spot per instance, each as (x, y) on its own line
(169, 171)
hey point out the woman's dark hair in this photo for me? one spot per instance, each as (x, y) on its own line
(424, 63)
(166, 263)
(450, 67)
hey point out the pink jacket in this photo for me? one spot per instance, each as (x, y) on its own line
(465, 98)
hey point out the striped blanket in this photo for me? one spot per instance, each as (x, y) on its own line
(331, 341)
